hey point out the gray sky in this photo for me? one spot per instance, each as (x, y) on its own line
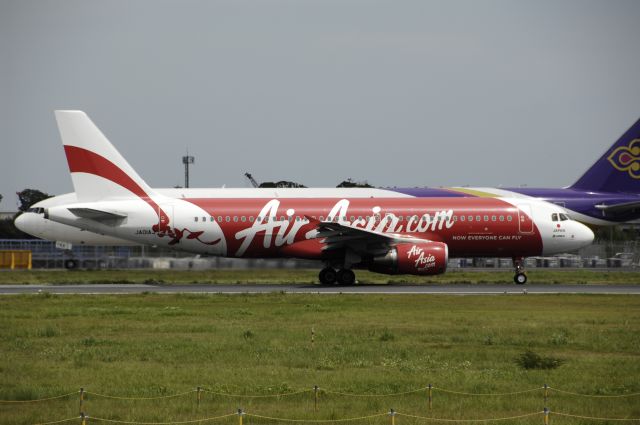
(402, 93)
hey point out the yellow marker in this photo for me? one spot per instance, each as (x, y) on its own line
(546, 416)
(81, 398)
(392, 413)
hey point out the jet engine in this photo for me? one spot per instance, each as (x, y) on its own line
(428, 258)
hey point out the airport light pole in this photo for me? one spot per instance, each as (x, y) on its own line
(187, 160)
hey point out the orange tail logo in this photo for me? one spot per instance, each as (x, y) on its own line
(627, 158)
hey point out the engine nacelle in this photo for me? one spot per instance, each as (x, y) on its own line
(424, 259)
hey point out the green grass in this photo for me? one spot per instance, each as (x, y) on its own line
(152, 345)
(277, 276)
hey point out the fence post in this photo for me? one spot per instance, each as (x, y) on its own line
(81, 398)
(240, 415)
(546, 416)
(546, 393)
(313, 336)
(430, 396)
(198, 394)
(392, 414)
(315, 398)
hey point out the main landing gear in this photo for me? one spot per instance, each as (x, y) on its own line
(520, 277)
(329, 276)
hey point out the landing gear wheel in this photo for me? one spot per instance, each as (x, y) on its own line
(71, 264)
(346, 277)
(327, 276)
(520, 278)
(518, 264)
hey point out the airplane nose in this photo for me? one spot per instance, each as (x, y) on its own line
(26, 222)
(20, 222)
(584, 235)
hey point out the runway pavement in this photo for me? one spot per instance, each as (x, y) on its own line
(452, 289)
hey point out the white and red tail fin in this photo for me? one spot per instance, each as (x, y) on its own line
(97, 169)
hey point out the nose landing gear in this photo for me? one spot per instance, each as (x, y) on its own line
(520, 277)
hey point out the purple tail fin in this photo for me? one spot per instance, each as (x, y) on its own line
(618, 170)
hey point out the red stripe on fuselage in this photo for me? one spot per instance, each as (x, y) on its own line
(81, 160)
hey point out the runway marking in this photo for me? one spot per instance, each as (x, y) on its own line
(462, 289)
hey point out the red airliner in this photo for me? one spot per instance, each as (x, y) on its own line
(382, 230)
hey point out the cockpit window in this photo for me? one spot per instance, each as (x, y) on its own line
(563, 217)
(36, 210)
(554, 217)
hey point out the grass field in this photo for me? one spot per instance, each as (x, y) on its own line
(226, 276)
(153, 345)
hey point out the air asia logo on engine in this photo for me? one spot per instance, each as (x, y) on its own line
(627, 158)
(280, 232)
(421, 259)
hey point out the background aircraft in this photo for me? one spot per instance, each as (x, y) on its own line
(387, 231)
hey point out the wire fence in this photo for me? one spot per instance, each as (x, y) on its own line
(546, 392)
(317, 389)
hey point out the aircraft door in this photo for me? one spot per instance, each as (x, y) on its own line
(525, 220)
(165, 216)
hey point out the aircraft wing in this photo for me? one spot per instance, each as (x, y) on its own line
(362, 241)
(618, 209)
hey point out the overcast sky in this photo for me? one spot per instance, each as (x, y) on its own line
(401, 93)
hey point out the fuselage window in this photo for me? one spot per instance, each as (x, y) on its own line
(227, 219)
(478, 218)
(195, 218)
(220, 218)
(501, 218)
(494, 218)
(204, 218)
(462, 218)
(455, 218)
(321, 218)
(470, 218)
(235, 218)
(486, 218)
(211, 218)
(243, 218)
(509, 218)
(251, 218)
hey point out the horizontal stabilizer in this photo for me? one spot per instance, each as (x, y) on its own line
(619, 209)
(98, 215)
